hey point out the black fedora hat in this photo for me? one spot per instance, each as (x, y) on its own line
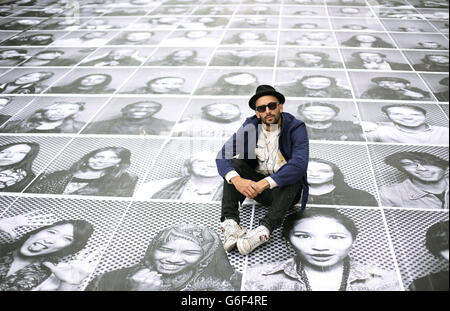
(264, 90)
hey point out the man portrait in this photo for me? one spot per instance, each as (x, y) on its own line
(321, 123)
(219, 119)
(136, 119)
(425, 184)
(406, 123)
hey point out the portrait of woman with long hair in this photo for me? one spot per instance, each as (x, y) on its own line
(95, 83)
(27, 262)
(16, 161)
(101, 172)
(327, 185)
(322, 239)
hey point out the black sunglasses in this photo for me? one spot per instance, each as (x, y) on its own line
(271, 106)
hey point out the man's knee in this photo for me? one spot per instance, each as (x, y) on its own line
(293, 191)
(243, 167)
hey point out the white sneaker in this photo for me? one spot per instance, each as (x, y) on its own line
(254, 238)
(232, 232)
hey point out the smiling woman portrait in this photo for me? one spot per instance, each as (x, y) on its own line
(29, 261)
(179, 258)
(101, 172)
(322, 239)
(16, 161)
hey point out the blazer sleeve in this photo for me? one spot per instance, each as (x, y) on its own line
(240, 145)
(295, 168)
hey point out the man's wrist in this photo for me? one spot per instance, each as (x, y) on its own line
(235, 179)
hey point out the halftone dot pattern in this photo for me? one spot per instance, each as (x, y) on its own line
(141, 158)
(408, 229)
(103, 215)
(370, 247)
(351, 159)
(387, 175)
(49, 147)
(5, 201)
(15, 105)
(446, 110)
(144, 219)
(372, 112)
(176, 152)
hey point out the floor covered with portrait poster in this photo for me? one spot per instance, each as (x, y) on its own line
(112, 113)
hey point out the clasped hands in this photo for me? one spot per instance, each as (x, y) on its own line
(248, 187)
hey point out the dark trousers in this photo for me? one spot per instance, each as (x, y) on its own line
(279, 199)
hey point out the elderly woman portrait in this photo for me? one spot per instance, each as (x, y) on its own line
(59, 117)
(27, 263)
(16, 161)
(233, 83)
(315, 86)
(436, 242)
(94, 83)
(183, 257)
(327, 185)
(101, 172)
(199, 181)
(29, 83)
(322, 239)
